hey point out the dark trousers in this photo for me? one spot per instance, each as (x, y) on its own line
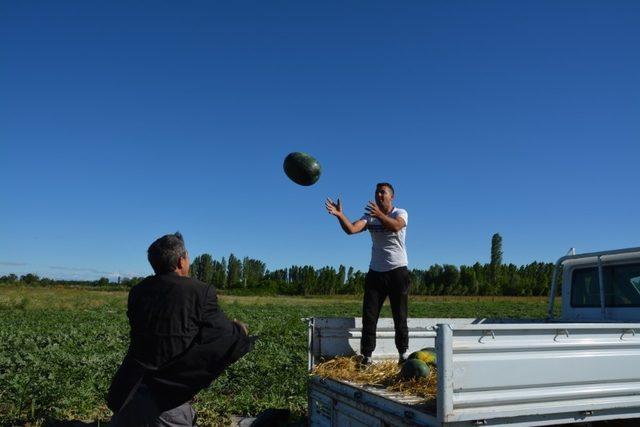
(377, 286)
(142, 411)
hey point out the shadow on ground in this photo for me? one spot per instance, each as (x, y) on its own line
(74, 423)
(267, 418)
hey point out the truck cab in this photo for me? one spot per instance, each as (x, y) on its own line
(599, 286)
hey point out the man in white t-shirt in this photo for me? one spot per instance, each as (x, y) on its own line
(388, 274)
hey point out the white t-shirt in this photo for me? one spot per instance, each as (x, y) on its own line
(388, 250)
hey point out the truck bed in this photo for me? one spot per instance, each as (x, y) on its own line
(492, 372)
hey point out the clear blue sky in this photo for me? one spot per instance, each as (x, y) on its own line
(123, 121)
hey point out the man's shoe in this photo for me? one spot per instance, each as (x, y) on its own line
(403, 358)
(364, 361)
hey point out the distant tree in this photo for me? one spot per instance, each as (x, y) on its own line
(358, 282)
(253, 271)
(10, 278)
(202, 268)
(496, 250)
(326, 282)
(468, 282)
(496, 261)
(349, 273)
(450, 278)
(342, 275)
(292, 274)
(219, 273)
(417, 281)
(223, 273)
(433, 279)
(308, 279)
(131, 281)
(29, 279)
(103, 281)
(234, 271)
(510, 281)
(279, 275)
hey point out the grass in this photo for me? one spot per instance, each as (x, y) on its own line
(59, 348)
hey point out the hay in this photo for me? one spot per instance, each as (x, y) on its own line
(385, 374)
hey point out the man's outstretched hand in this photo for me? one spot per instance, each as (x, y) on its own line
(334, 208)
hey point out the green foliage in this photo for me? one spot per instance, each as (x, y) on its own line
(496, 249)
(29, 278)
(234, 269)
(57, 363)
(9, 278)
(220, 273)
(253, 272)
(496, 254)
(202, 268)
(103, 283)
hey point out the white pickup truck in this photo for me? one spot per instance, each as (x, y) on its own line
(580, 368)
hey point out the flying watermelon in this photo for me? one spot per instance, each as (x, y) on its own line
(302, 168)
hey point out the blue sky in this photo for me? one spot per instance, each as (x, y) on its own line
(123, 121)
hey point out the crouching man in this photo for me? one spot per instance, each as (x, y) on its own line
(180, 341)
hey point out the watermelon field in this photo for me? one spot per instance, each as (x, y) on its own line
(59, 348)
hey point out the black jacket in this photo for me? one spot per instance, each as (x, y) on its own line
(180, 341)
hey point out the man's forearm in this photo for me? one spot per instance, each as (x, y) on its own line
(346, 224)
(391, 223)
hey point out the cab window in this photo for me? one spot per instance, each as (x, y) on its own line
(621, 286)
(585, 290)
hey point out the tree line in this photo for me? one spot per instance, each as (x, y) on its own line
(32, 279)
(250, 276)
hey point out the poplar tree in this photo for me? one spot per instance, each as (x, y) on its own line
(342, 275)
(496, 261)
(202, 268)
(234, 271)
(496, 250)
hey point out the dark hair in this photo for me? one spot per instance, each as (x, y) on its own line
(386, 184)
(164, 253)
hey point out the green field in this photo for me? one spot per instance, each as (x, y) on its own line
(59, 348)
